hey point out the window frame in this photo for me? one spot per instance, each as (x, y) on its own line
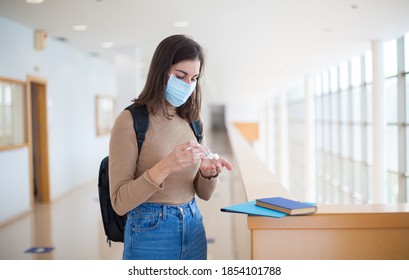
(103, 124)
(26, 117)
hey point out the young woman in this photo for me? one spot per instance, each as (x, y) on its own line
(157, 186)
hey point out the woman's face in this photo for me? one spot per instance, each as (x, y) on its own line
(187, 70)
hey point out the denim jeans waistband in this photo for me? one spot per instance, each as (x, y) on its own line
(187, 209)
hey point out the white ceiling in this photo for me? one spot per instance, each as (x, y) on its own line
(253, 47)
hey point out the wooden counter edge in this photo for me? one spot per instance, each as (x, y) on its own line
(340, 220)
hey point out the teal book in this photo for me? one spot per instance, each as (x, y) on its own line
(285, 205)
(250, 208)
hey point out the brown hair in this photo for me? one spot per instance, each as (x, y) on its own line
(170, 51)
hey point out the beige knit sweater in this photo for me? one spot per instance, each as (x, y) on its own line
(129, 182)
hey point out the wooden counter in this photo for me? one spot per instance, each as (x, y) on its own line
(336, 232)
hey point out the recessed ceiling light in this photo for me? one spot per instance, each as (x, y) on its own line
(181, 23)
(107, 45)
(79, 27)
(34, 1)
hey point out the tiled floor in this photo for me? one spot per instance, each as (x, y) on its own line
(71, 228)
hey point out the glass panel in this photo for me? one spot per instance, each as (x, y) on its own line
(391, 91)
(336, 174)
(407, 149)
(318, 85)
(325, 82)
(357, 178)
(406, 42)
(335, 199)
(2, 125)
(390, 58)
(356, 105)
(369, 144)
(344, 106)
(319, 162)
(335, 138)
(365, 184)
(407, 95)
(7, 136)
(369, 182)
(318, 108)
(344, 140)
(12, 114)
(368, 103)
(327, 192)
(356, 71)
(334, 106)
(326, 107)
(357, 142)
(326, 137)
(334, 79)
(327, 166)
(407, 190)
(319, 135)
(343, 75)
(320, 190)
(104, 114)
(393, 188)
(300, 107)
(18, 114)
(345, 171)
(368, 66)
(392, 148)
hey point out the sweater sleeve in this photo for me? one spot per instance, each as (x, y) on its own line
(204, 188)
(126, 191)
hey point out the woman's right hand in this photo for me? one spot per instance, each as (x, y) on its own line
(184, 155)
(181, 157)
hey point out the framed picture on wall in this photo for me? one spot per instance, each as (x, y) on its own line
(104, 108)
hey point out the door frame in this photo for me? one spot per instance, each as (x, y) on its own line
(42, 173)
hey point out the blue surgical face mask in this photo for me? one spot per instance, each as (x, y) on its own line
(178, 91)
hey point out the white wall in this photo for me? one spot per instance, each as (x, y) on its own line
(243, 112)
(74, 78)
(14, 183)
(129, 76)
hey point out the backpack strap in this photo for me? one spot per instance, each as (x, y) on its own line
(140, 121)
(197, 128)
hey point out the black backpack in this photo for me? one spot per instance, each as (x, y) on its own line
(113, 223)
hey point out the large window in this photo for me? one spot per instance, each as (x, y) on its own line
(296, 148)
(397, 118)
(344, 129)
(367, 138)
(403, 69)
(12, 114)
(319, 137)
(343, 132)
(406, 52)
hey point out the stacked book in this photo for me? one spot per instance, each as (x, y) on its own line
(273, 207)
(288, 206)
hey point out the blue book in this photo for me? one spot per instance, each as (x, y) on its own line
(251, 208)
(285, 205)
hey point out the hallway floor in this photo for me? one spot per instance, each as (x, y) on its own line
(71, 227)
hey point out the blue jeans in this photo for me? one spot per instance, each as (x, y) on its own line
(165, 232)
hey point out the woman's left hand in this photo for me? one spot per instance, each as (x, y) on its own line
(212, 167)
